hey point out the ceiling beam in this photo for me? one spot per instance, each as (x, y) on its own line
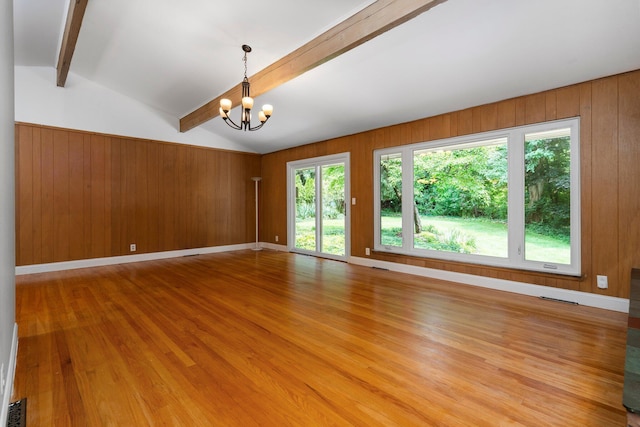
(70, 38)
(370, 22)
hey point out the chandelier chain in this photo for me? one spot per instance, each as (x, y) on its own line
(245, 64)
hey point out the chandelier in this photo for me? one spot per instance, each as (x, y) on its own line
(247, 104)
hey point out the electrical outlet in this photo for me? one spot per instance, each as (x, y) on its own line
(276, 239)
(603, 282)
(367, 251)
(132, 247)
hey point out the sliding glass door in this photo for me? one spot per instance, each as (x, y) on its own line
(318, 208)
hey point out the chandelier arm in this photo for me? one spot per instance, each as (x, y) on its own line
(231, 123)
(259, 126)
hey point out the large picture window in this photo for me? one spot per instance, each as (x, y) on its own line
(507, 198)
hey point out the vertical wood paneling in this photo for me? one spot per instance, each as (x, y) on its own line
(106, 231)
(535, 108)
(362, 213)
(182, 184)
(86, 225)
(439, 128)
(16, 162)
(153, 192)
(216, 200)
(454, 124)
(194, 200)
(584, 108)
(46, 200)
(334, 145)
(76, 195)
(568, 102)
(629, 176)
(24, 195)
(521, 111)
(141, 201)
(128, 189)
(271, 224)
(98, 219)
(551, 106)
(485, 118)
(82, 195)
(249, 210)
(191, 199)
(506, 114)
(167, 195)
(604, 180)
(117, 246)
(419, 132)
(61, 201)
(465, 122)
(401, 133)
(237, 187)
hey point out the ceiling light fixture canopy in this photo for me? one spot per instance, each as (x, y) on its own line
(247, 104)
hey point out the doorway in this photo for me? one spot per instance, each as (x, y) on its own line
(318, 208)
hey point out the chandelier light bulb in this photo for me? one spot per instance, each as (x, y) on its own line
(247, 103)
(225, 104)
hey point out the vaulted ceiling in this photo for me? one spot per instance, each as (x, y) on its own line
(176, 56)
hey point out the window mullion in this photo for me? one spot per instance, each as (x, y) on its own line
(407, 199)
(515, 204)
(319, 209)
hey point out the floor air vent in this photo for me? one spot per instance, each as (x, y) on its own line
(559, 300)
(17, 414)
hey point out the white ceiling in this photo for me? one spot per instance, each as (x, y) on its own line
(175, 56)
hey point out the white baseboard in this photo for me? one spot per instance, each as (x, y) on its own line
(274, 247)
(582, 298)
(97, 262)
(11, 369)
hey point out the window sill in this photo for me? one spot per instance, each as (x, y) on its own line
(465, 267)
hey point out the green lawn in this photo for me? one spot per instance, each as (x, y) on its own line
(490, 237)
(332, 240)
(477, 236)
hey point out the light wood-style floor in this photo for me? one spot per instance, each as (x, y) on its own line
(277, 339)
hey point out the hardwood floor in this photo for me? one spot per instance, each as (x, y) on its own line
(277, 339)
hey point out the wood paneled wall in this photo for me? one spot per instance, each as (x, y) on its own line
(84, 195)
(610, 176)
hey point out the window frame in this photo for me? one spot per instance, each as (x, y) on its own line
(515, 258)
